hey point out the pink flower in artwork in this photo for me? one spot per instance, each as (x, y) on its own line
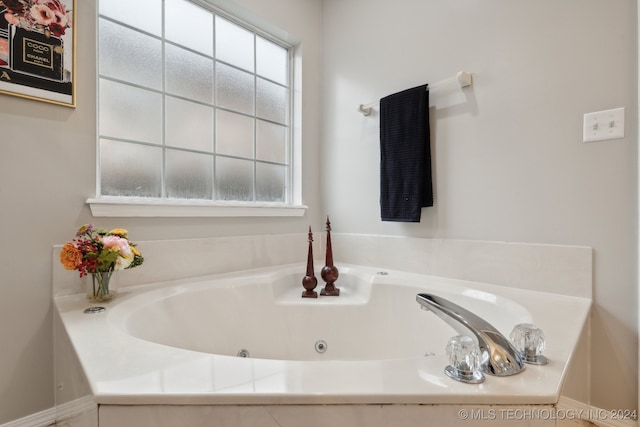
(42, 15)
(60, 18)
(60, 22)
(13, 19)
(54, 5)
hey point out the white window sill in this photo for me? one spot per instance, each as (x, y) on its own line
(157, 208)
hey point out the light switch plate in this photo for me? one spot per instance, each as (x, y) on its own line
(603, 125)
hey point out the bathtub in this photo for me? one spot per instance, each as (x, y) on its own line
(221, 346)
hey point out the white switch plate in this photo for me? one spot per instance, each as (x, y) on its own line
(603, 125)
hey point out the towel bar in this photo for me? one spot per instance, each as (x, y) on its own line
(463, 78)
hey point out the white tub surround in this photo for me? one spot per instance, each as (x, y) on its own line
(560, 269)
(168, 346)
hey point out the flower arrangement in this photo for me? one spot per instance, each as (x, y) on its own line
(93, 251)
(100, 252)
(47, 16)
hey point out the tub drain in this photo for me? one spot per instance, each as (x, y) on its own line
(243, 353)
(321, 346)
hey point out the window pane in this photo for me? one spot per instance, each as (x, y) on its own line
(130, 169)
(234, 89)
(234, 44)
(189, 125)
(271, 101)
(130, 113)
(129, 55)
(271, 61)
(234, 134)
(234, 179)
(270, 182)
(190, 104)
(189, 25)
(189, 175)
(189, 75)
(143, 14)
(271, 142)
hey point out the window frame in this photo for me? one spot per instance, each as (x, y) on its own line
(126, 206)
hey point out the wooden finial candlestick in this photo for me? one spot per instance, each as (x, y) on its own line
(329, 272)
(309, 282)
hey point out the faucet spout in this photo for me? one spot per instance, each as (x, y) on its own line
(503, 358)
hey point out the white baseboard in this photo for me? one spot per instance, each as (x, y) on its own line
(597, 416)
(49, 416)
(39, 419)
(76, 407)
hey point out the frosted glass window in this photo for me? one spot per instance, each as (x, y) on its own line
(234, 89)
(272, 101)
(189, 175)
(271, 61)
(234, 44)
(188, 125)
(130, 113)
(234, 179)
(234, 134)
(189, 25)
(130, 169)
(271, 142)
(270, 182)
(143, 14)
(130, 55)
(189, 74)
(191, 104)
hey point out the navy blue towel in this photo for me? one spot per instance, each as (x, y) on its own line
(405, 155)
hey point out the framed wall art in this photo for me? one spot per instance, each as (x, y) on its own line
(37, 50)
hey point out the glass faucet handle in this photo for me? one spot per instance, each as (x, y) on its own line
(466, 360)
(529, 340)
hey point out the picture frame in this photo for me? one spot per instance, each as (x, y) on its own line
(37, 50)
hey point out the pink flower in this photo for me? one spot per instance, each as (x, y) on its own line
(54, 5)
(42, 15)
(117, 244)
(14, 19)
(60, 18)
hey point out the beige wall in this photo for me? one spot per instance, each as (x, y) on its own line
(47, 172)
(508, 158)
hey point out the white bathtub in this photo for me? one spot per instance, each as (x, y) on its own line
(176, 344)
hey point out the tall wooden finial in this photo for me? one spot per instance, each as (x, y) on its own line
(329, 272)
(309, 282)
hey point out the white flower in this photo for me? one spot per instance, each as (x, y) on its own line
(123, 261)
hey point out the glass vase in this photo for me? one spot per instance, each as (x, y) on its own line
(99, 287)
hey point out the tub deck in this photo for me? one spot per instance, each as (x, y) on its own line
(122, 369)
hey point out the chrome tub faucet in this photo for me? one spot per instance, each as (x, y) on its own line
(502, 357)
